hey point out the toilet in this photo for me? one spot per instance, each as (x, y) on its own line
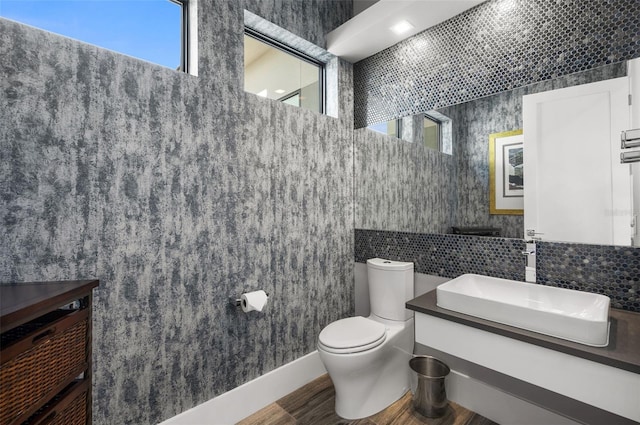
(368, 357)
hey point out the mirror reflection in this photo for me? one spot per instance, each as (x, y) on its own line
(465, 207)
(431, 130)
(577, 190)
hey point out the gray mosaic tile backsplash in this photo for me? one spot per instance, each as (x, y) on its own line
(613, 271)
(444, 255)
(496, 46)
(610, 270)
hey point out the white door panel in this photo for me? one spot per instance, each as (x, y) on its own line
(575, 188)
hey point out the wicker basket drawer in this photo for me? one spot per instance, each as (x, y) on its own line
(74, 414)
(37, 367)
(69, 407)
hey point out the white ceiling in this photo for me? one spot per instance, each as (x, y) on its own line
(360, 5)
(368, 32)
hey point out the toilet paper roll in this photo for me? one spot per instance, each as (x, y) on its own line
(255, 300)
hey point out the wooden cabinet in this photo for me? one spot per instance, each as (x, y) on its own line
(45, 357)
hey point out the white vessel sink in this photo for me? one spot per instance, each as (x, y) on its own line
(562, 313)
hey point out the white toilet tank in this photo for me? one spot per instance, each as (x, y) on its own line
(390, 287)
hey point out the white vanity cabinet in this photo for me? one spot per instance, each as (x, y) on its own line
(606, 379)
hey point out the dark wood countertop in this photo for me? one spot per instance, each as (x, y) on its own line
(21, 302)
(623, 351)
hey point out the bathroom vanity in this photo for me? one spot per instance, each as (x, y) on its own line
(584, 383)
(45, 362)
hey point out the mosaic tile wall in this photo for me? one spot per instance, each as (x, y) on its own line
(610, 270)
(179, 193)
(444, 255)
(496, 46)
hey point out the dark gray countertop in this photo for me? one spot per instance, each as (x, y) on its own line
(622, 352)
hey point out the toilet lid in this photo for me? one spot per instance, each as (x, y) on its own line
(352, 335)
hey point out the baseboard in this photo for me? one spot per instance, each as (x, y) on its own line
(248, 398)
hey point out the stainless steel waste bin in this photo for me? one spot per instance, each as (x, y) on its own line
(429, 396)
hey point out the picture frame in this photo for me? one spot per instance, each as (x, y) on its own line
(506, 173)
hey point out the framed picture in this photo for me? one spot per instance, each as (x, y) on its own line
(506, 173)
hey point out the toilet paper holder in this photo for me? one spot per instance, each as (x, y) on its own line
(238, 302)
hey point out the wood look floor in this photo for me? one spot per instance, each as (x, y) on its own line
(313, 404)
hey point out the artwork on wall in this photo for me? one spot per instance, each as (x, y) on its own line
(506, 173)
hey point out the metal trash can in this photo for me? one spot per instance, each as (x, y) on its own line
(429, 396)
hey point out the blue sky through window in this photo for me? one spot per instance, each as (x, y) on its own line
(146, 29)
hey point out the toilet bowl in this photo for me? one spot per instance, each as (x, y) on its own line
(370, 377)
(367, 358)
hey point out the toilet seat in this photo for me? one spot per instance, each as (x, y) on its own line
(352, 335)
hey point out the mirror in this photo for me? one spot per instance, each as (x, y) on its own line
(410, 188)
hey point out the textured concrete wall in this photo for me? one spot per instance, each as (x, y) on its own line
(402, 186)
(178, 193)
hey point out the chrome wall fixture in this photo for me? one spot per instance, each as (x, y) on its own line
(630, 139)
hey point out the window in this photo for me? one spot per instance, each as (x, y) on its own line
(431, 133)
(275, 71)
(391, 128)
(152, 30)
(432, 130)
